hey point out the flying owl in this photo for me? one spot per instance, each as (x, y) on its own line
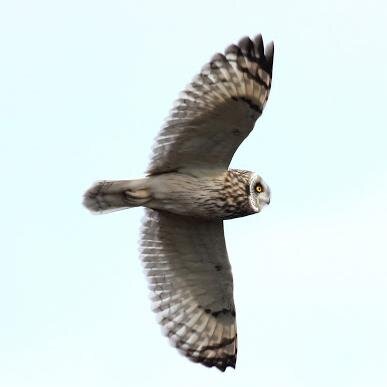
(189, 191)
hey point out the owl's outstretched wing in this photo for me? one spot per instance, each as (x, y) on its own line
(216, 111)
(189, 275)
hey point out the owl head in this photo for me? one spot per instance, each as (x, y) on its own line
(259, 193)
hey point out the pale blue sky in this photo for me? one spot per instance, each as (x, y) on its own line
(84, 88)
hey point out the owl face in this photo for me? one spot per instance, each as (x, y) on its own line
(259, 193)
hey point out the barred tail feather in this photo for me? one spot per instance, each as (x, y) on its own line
(108, 196)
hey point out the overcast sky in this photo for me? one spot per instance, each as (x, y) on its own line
(84, 88)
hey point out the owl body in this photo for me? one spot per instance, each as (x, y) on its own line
(214, 195)
(188, 191)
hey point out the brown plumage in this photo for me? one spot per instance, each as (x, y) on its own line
(189, 191)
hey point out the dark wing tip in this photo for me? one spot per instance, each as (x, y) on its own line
(218, 57)
(220, 363)
(255, 48)
(232, 49)
(230, 361)
(269, 55)
(246, 45)
(258, 43)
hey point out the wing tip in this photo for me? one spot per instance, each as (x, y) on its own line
(246, 45)
(269, 55)
(258, 43)
(221, 363)
(254, 48)
(232, 49)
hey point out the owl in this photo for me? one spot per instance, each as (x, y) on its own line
(189, 191)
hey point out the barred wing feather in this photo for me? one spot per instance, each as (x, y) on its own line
(216, 111)
(190, 279)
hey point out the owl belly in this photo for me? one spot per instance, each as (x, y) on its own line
(206, 197)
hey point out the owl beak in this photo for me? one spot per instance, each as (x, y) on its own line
(266, 200)
(263, 202)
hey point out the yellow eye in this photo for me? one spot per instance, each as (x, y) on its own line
(259, 188)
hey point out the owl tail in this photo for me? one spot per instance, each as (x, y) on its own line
(108, 196)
